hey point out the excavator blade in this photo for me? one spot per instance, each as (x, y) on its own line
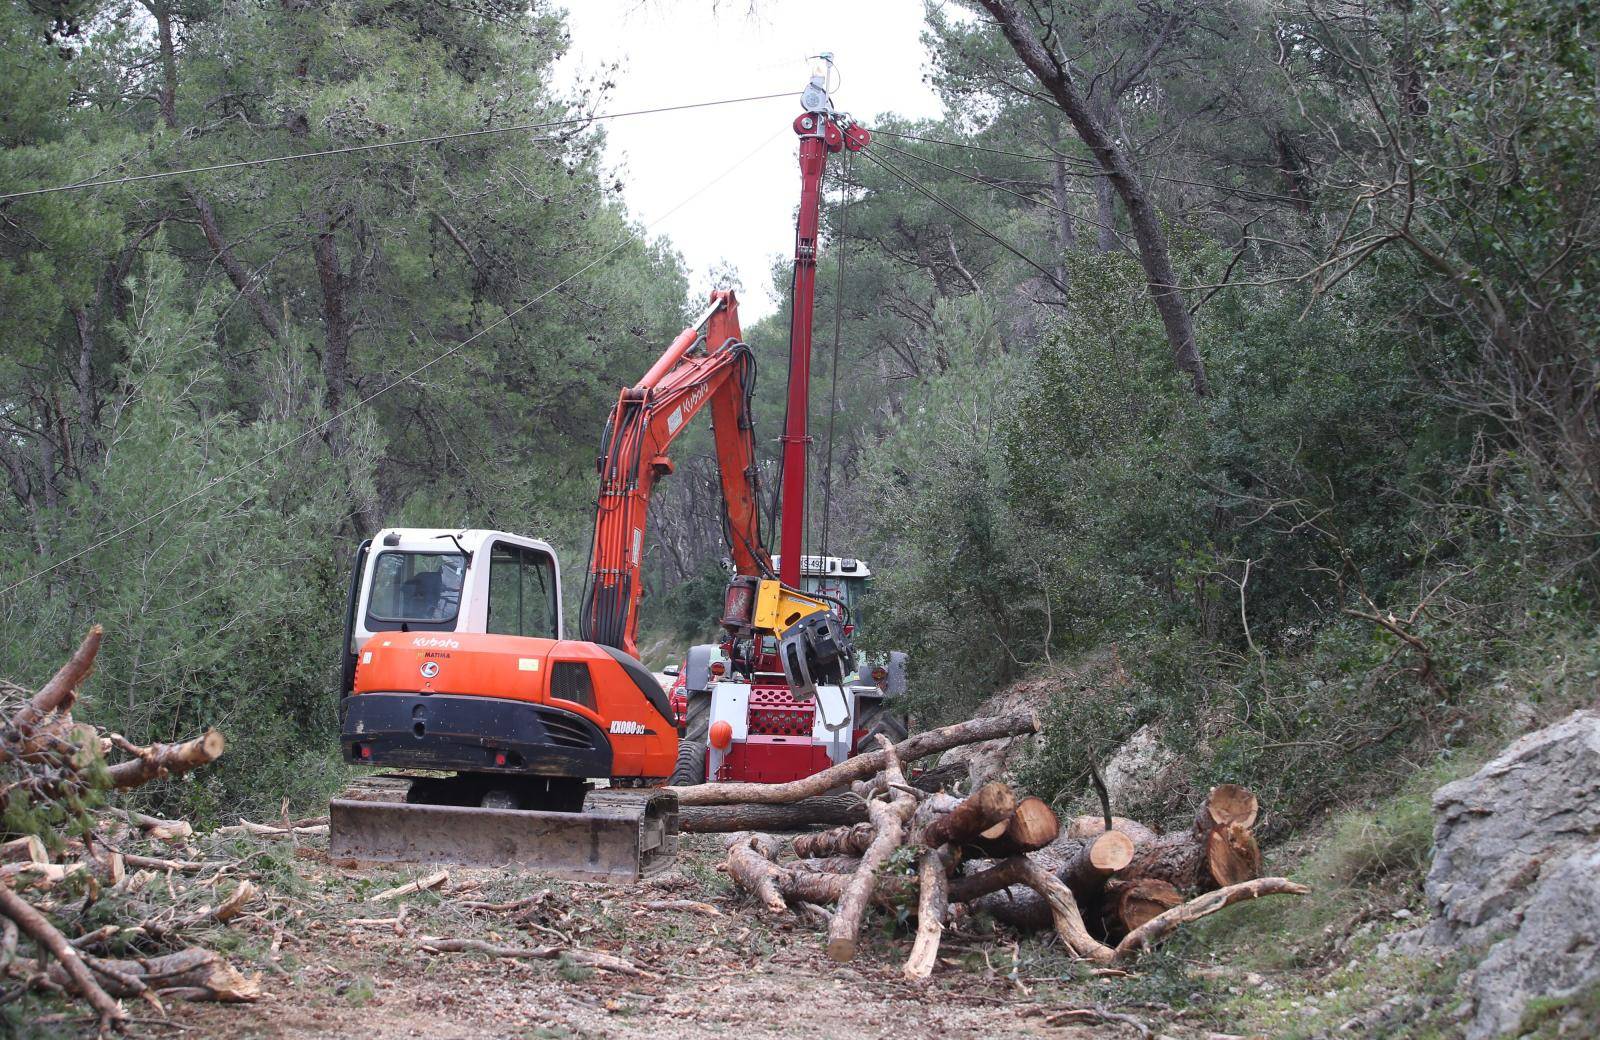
(619, 836)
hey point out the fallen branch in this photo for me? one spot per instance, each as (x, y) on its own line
(890, 819)
(411, 887)
(602, 961)
(1159, 927)
(861, 766)
(49, 939)
(159, 760)
(932, 902)
(57, 694)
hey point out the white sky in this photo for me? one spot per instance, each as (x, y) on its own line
(678, 51)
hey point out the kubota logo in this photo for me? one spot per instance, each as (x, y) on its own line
(434, 643)
(430, 669)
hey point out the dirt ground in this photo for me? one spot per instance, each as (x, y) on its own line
(726, 973)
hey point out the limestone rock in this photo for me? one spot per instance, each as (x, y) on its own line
(1497, 831)
(1555, 953)
(1137, 767)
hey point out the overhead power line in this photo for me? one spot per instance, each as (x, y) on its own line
(379, 145)
(974, 178)
(981, 229)
(409, 375)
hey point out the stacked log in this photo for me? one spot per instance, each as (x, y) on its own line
(52, 767)
(1107, 893)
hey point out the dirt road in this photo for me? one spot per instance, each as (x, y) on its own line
(719, 972)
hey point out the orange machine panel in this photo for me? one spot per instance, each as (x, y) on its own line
(643, 741)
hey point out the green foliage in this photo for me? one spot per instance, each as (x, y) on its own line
(192, 453)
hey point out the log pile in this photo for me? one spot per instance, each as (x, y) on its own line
(53, 773)
(1107, 892)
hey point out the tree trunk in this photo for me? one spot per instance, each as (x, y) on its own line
(1066, 229)
(1105, 213)
(1053, 75)
(241, 279)
(809, 812)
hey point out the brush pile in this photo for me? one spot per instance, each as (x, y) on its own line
(1109, 888)
(65, 853)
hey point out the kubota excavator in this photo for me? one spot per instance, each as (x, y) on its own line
(457, 660)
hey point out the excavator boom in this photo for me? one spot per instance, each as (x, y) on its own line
(708, 364)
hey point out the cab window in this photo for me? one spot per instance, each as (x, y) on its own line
(416, 587)
(522, 592)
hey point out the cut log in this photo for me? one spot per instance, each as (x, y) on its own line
(1232, 855)
(1093, 860)
(1089, 826)
(1126, 904)
(861, 766)
(1225, 804)
(160, 760)
(1082, 864)
(26, 849)
(932, 901)
(840, 841)
(1032, 826)
(1158, 928)
(988, 806)
(890, 819)
(825, 810)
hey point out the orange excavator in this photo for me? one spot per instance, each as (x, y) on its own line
(458, 669)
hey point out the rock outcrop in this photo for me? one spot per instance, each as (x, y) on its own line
(1497, 832)
(1517, 870)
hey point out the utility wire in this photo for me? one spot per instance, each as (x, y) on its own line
(1088, 168)
(324, 424)
(974, 178)
(378, 145)
(1013, 250)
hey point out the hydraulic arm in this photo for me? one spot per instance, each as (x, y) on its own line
(708, 365)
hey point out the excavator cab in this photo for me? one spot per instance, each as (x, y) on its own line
(457, 672)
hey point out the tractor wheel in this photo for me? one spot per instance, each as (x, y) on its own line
(697, 718)
(691, 767)
(879, 717)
